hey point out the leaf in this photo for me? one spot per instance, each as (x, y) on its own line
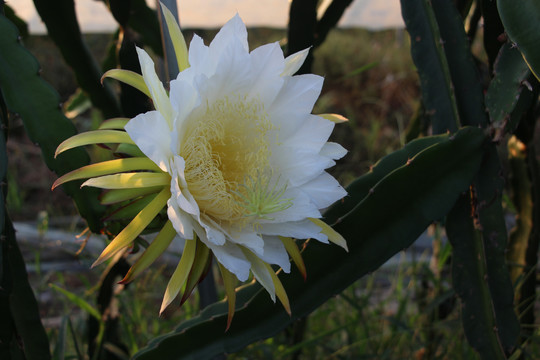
(489, 187)
(361, 187)
(469, 273)
(36, 102)
(388, 219)
(463, 70)
(522, 24)
(506, 88)
(428, 54)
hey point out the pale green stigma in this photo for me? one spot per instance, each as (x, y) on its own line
(260, 199)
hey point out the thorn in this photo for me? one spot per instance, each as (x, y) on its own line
(527, 85)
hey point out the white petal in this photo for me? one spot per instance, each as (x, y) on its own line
(249, 239)
(159, 95)
(294, 62)
(233, 29)
(299, 94)
(298, 165)
(275, 253)
(324, 190)
(152, 135)
(301, 208)
(184, 99)
(333, 151)
(294, 103)
(266, 64)
(261, 274)
(228, 254)
(214, 233)
(311, 135)
(181, 221)
(232, 74)
(198, 55)
(303, 229)
(179, 188)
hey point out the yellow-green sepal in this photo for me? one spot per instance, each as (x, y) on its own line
(118, 195)
(178, 41)
(280, 290)
(129, 210)
(335, 118)
(114, 124)
(128, 77)
(94, 137)
(135, 227)
(129, 150)
(107, 168)
(160, 243)
(294, 252)
(201, 265)
(129, 180)
(180, 275)
(333, 235)
(229, 282)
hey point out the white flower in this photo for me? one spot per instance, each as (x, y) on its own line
(243, 157)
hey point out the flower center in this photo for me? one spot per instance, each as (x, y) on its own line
(226, 151)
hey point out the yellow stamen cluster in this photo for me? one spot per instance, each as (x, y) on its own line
(226, 151)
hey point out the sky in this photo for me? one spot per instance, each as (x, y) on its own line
(94, 17)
